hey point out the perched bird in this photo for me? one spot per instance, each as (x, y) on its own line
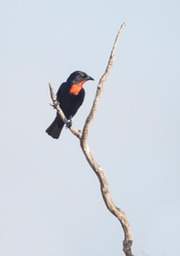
(70, 96)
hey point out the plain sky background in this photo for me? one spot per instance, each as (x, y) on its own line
(50, 203)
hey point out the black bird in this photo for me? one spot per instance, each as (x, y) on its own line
(70, 96)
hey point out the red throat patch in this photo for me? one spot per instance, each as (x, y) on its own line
(76, 88)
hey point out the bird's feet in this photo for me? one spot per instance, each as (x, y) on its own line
(69, 123)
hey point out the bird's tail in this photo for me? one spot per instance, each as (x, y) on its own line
(54, 130)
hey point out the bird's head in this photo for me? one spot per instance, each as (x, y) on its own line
(78, 77)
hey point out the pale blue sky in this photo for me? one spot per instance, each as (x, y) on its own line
(50, 203)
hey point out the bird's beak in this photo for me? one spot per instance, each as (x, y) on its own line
(89, 78)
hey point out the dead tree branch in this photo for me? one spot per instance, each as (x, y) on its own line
(101, 85)
(118, 213)
(127, 243)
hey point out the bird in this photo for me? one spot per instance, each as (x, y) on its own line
(70, 96)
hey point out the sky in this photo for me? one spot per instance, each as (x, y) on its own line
(50, 201)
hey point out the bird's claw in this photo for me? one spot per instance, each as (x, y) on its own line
(69, 123)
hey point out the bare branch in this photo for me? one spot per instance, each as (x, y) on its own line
(101, 85)
(118, 213)
(127, 243)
